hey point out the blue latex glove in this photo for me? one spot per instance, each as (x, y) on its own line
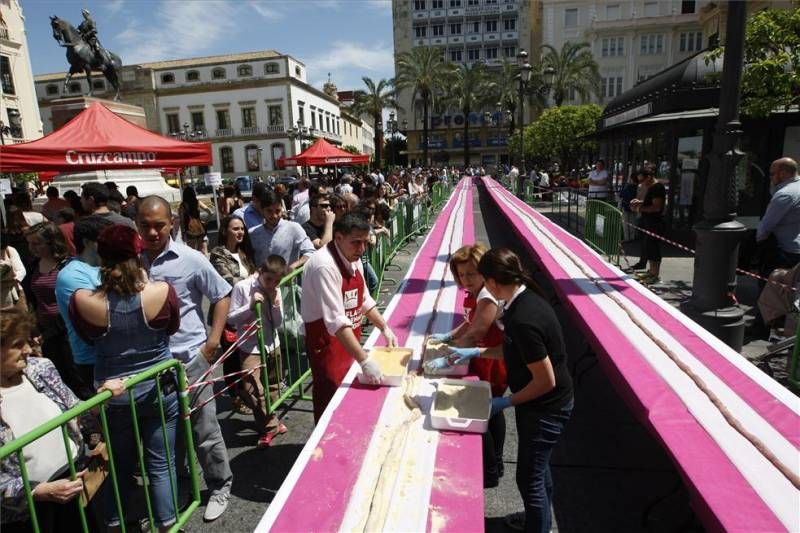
(438, 364)
(441, 337)
(461, 356)
(500, 403)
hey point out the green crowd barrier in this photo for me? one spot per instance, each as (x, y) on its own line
(603, 229)
(100, 401)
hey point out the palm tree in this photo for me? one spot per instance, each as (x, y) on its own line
(372, 102)
(469, 88)
(424, 71)
(575, 69)
(507, 89)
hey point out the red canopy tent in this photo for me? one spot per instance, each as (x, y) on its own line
(321, 154)
(98, 139)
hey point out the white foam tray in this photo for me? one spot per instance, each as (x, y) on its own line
(466, 425)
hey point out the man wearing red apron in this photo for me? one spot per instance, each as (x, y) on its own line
(334, 301)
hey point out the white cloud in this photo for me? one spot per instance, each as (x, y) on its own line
(113, 7)
(348, 62)
(268, 12)
(179, 29)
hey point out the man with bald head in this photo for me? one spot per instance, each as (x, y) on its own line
(782, 218)
(192, 276)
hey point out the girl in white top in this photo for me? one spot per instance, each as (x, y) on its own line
(260, 287)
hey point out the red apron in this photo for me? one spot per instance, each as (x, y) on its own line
(491, 370)
(329, 360)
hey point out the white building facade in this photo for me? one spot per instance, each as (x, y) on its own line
(631, 39)
(19, 110)
(243, 104)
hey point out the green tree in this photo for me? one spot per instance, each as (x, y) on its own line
(469, 89)
(559, 134)
(575, 69)
(372, 102)
(394, 150)
(771, 77)
(349, 148)
(424, 71)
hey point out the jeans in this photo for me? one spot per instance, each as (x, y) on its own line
(493, 441)
(538, 435)
(155, 454)
(211, 451)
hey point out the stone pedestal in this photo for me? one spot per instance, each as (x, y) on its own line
(147, 181)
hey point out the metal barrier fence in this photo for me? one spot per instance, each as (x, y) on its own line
(603, 229)
(598, 222)
(794, 361)
(155, 373)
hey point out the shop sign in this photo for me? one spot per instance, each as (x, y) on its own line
(628, 115)
(497, 141)
(482, 10)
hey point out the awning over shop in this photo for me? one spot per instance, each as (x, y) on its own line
(321, 154)
(98, 139)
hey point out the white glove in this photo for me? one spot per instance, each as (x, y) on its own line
(391, 340)
(371, 370)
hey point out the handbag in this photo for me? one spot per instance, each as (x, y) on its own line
(96, 473)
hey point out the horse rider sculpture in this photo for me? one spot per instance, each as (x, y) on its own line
(84, 51)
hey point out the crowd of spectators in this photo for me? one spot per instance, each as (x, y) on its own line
(97, 287)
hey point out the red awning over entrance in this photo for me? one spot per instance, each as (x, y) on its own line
(321, 154)
(97, 139)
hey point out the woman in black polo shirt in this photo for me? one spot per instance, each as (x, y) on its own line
(536, 359)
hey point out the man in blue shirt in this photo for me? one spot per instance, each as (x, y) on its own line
(251, 213)
(782, 218)
(279, 236)
(81, 272)
(192, 276)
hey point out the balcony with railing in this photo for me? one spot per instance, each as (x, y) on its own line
(224, 132)
(4, 34)
(250, 130)
(328, 135)
(275, 128)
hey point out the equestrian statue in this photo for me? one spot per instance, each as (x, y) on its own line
(84, 51)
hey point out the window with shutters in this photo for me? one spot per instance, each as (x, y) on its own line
(226, 158)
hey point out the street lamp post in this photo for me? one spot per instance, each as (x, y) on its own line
(186, 134)
(391, 127)
(524, 76)
(301, 133)
(713, 304)
(4, 130)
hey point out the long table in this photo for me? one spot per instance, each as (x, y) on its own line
(732, 431)
(365, 466)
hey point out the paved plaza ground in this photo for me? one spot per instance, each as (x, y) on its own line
(610, 473)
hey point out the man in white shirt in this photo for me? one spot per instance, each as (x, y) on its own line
(598, 181)
(335, 299)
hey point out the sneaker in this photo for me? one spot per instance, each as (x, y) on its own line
(639, 266)
(217, 504)
(647, 278)
(515, 521)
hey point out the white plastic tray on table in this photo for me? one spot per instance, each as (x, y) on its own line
(479, 424)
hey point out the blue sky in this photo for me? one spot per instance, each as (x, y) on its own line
(348, 38)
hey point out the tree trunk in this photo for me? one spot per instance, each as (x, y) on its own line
(378, 139)
(466, 138)
(424, 130)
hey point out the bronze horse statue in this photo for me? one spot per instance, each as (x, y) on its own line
(82, 58)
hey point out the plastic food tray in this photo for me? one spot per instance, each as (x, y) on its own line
(455, 370)
(480, 424)
(394, 377)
